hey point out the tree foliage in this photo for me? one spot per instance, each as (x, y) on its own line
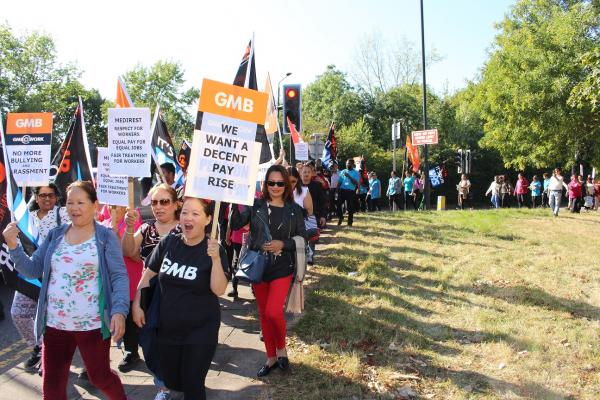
(32, 80)
(525, 87)
(163, 83)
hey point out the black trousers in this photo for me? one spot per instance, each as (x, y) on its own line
(521, 200)
(536, 201)
(131, 338)
(362, 200)
(395, 199)
(333, 194)
(233, 255)
(545, 200)
(409, 199)
(348, 197)
(463, 199)
(374, 204)
(184, 367)
(505, 200)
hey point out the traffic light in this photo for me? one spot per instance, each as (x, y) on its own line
(292, 107)
(460, 162)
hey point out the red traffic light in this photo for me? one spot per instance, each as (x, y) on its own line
(291, 93)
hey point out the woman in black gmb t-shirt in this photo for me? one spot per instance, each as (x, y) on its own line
(191, 274)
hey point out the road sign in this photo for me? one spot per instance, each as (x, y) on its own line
(429, 136)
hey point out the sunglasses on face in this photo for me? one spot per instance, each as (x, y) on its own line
(162, 202)
(46, 195)
(276, 183)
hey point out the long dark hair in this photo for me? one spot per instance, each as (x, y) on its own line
(292, 171)
(287, 193)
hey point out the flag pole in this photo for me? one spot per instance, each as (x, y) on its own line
(154, 159)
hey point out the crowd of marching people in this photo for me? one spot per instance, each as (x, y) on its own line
(582, 193)
(107, 273)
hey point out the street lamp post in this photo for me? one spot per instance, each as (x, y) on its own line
(426, 155)
(279, 108)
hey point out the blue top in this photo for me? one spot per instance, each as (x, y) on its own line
(345, 182)
(546, 184)
(393, 186)
(536, 188)
(408, 184)
(375, 187)
(114, 284)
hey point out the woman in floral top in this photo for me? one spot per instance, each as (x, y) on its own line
(84, 297)
(46, 217)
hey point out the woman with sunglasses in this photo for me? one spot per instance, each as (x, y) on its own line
(141, 243)
(46, 216)
(284, 219)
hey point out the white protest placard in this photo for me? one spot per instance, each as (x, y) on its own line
(112, 189)
(225, 156)
(301, 151)
(129, 141)
(28, 139)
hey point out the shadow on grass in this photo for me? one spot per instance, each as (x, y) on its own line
(532, 296)
(346, 316)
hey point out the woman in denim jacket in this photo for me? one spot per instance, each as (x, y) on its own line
(84, 297)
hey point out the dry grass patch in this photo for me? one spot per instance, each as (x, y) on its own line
(453, 305)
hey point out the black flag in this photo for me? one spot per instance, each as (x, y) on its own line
(73, 160)
(241, 77)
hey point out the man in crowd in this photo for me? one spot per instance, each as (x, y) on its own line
(168, 171)
(348, 183)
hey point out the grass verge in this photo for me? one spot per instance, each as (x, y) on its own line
(453, 305)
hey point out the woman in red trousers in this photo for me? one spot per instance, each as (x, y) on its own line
(274, 220)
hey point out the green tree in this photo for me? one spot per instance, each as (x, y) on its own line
(163, 83)
(586, 94)
(525, 86)
(32, 80)
(330, 98)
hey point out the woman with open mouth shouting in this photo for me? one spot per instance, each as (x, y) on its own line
(191, 271)
(284, 219)
(165, 209)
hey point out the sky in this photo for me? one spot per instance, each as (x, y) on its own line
(107, 38)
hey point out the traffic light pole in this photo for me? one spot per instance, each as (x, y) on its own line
(394, 134)
(426, 153)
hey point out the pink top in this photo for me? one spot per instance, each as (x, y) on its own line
(521, 186)
(237, 236)
(574, 189)
(134, 268)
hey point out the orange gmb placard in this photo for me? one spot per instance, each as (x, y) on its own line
(233, 101)
(18, 123)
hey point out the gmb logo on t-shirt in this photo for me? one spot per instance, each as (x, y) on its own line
(179, 271)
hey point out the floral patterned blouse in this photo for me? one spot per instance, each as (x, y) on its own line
(74, 287)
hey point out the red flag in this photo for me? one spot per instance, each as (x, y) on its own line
(295, 135)
(413, 154)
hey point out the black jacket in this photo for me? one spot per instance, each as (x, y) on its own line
(257, 217)
(319, 199)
